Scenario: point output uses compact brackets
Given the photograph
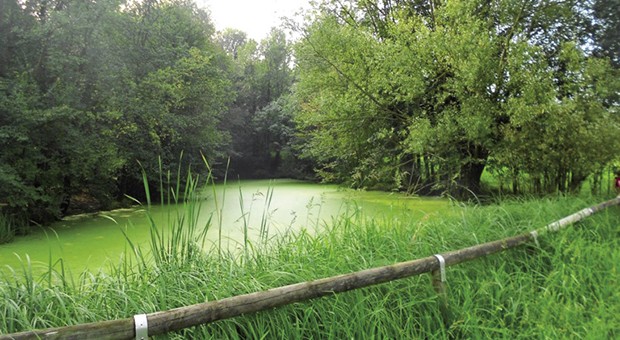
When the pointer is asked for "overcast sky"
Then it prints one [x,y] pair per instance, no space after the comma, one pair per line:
[254,17]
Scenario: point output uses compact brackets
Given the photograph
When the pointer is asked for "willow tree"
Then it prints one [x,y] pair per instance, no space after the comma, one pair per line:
[426,94]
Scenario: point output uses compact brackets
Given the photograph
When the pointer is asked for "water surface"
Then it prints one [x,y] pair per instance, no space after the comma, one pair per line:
[93,241]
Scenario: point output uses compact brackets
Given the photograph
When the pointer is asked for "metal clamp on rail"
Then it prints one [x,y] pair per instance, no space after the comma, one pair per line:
[442,267]
[534,234]
[142,326]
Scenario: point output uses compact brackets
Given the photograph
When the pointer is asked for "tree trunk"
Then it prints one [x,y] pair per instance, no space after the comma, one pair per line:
[576,180]
[469,180]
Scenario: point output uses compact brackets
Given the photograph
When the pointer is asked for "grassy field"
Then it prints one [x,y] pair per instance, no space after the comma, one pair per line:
[566,287]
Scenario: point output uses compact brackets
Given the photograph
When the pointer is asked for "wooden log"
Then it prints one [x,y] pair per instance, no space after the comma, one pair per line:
[113,329]
[202,313]
[183,317]
[580,215]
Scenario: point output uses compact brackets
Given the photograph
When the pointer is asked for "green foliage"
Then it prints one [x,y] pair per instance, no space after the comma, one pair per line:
[175,110]
[605,29]
[48,153]
[160,33]
[259,121]
[277,145]
[88,89]
[351,128]
[420,97]
[561,140]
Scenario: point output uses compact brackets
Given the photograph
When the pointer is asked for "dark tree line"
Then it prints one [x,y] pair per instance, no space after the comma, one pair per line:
[261,118]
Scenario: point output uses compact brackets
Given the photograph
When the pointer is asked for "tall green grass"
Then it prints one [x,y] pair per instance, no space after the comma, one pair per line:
[566,287]
[184,238]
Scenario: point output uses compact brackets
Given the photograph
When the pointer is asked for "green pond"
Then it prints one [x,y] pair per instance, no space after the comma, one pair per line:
[95,241]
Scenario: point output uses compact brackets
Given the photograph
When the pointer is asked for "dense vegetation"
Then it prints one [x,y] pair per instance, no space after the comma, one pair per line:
[422,96]
[92,91]
[426,95]
[418,96]
[565,287]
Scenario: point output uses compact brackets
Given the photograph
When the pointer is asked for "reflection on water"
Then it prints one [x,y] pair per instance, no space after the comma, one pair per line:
[267,208]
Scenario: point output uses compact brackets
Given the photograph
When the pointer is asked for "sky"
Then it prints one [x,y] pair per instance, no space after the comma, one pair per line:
[254,17]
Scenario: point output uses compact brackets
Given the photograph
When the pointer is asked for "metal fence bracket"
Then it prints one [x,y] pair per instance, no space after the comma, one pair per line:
[534,234]
[142,326]
[442,267]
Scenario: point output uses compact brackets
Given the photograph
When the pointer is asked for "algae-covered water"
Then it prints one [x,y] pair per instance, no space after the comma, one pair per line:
[94,241]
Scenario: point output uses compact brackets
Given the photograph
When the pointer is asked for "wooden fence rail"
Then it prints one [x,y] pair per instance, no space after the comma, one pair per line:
[202,313]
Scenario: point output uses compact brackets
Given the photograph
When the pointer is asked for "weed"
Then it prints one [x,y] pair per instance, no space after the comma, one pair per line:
[563,288]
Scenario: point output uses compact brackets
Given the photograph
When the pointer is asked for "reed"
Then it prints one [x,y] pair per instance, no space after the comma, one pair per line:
[563,288]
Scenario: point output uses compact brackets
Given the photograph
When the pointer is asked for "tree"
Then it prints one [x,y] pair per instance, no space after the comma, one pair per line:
[262,75]
[274,135]
[232,41]
[563,139]
[49,154]
[605,29]
[88,88]
[160,32]
[53,139]
[176,110]
[171,90]
[418,95]
[274,69]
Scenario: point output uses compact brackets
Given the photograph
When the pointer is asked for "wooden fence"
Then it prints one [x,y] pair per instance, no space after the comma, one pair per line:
[141,326]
